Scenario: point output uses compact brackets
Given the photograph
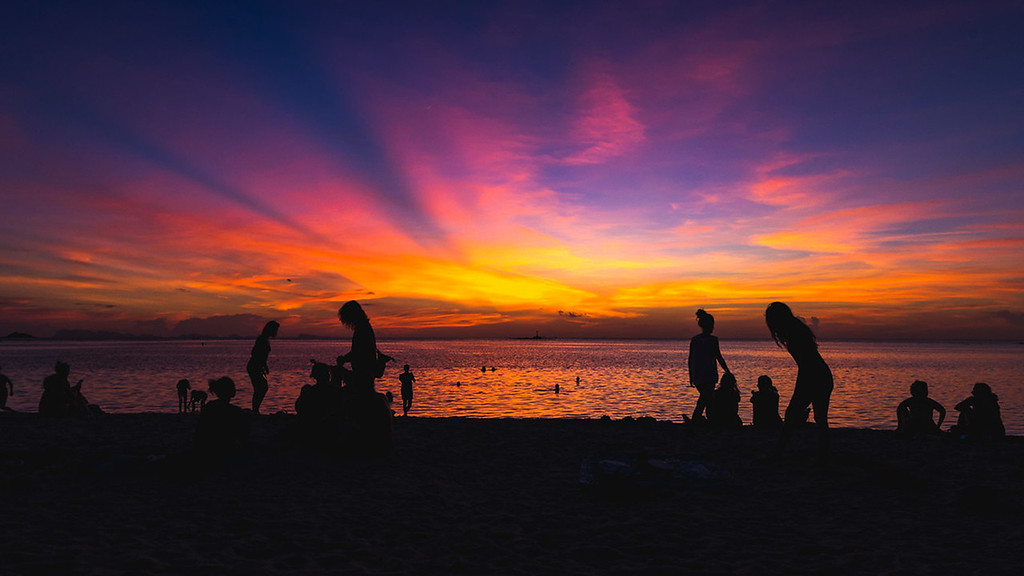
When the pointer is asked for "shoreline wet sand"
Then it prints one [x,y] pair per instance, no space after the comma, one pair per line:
[110,494]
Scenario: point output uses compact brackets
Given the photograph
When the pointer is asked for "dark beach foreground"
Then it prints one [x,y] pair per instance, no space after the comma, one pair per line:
[458,496]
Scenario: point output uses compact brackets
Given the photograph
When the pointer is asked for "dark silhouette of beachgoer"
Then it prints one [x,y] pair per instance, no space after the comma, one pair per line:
[320,410]
[557,388]
[183,388]
[5,386]
[914,415]
[223,428]
[406,378]
[198,400]
[60,399]
[57,398]
[814,381]
[765,402]
[702,362]
[577,380]
[362,357]
[725,409]
[257,366]
[979,417]
[366,411]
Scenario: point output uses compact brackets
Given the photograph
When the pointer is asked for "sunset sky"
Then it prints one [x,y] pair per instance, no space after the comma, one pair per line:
[578,169]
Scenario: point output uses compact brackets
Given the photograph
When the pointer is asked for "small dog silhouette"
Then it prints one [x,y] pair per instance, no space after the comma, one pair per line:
[198,397]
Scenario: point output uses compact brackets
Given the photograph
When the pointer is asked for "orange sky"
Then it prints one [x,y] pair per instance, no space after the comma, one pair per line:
[506,169]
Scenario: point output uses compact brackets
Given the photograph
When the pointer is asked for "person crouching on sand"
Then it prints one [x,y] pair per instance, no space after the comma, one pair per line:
[914,415]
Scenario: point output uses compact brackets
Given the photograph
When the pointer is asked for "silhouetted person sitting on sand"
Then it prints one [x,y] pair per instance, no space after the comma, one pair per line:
[813,379]
[183,387]
[979,417]
[5,386]
[406,378]
[320,409]
[725,409]
[59,398]
[223,428]
[258,367]
[914,415]
[702,364]
[765,402]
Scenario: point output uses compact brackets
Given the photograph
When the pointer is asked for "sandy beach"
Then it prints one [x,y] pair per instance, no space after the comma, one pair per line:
[108,495]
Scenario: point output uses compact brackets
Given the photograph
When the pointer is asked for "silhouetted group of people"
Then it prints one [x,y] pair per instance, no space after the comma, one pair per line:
[720,406]
[979,417]
[341,411]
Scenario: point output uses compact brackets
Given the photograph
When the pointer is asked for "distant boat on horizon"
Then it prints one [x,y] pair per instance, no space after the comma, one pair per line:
[536,336]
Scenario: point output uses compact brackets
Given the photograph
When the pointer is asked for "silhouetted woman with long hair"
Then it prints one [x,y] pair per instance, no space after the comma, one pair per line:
[257,366]
[813,379]
[705,356]
[363,355]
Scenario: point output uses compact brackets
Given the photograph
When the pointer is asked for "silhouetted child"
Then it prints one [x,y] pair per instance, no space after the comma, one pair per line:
[223,428]
[198,399]
[725,406]
[5,385]
[183,388]
[765,402]
[979,417]
[407,379]
[914,415]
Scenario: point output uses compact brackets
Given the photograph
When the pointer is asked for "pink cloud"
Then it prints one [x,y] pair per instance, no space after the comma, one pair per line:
[606,125]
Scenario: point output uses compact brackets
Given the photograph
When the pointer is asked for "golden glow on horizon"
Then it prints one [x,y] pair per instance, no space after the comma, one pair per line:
[453,186]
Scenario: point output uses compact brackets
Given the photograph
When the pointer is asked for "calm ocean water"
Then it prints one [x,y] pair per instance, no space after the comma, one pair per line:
[617,378]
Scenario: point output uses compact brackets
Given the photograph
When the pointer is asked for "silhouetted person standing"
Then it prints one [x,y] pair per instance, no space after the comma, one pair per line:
[914,415]
[813,379]
[702,362]
[367,411]
[5,386]
[363,354]
[257,366]
[183,387]
[406,378]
